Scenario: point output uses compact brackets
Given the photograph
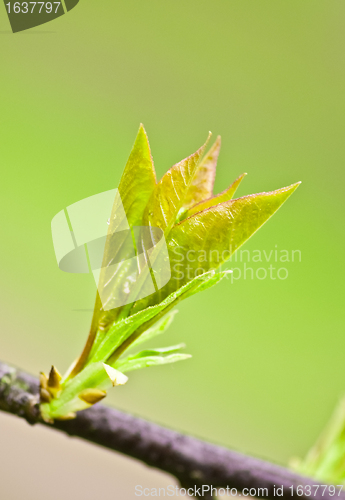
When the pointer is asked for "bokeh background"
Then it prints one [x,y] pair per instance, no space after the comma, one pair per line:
[269,76]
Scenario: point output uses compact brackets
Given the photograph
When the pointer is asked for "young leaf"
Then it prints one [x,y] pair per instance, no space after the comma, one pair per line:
[153,357]
[138,180]
[201,187]
[161,212]
[157,329]
[137,184]
[170,193]
[124,332]
[325,461]
[209,238]
[159,351]
[215,200]
[205,284]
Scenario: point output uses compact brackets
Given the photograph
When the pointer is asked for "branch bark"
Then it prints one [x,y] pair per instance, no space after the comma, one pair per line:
[192,461]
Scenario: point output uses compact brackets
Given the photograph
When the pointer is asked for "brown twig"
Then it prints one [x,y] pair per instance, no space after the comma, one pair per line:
[195,463]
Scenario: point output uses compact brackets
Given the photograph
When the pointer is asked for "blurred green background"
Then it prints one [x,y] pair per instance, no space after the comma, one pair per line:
[269,76]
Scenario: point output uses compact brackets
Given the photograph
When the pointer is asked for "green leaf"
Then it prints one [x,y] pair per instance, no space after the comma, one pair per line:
[201,187]
[138,180]
[169,195]
[161,212]
[205,284]
[157,329]
[158,351]
[215,200]
[207,239]
[137,184]
[119,334]
[325,460]
[151,357]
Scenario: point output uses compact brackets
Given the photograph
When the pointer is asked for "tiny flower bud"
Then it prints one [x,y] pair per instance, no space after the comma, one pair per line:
[54,378]
[45,396]
[43,381]
[92,396]
[54,382]
[68,416]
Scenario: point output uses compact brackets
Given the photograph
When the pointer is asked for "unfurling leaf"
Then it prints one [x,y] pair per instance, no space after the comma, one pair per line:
[137,182]
[212,236]
[129,329]
[226,195]
[157,329]
[152,357]
[169,195]
[201,186]
[135,189]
